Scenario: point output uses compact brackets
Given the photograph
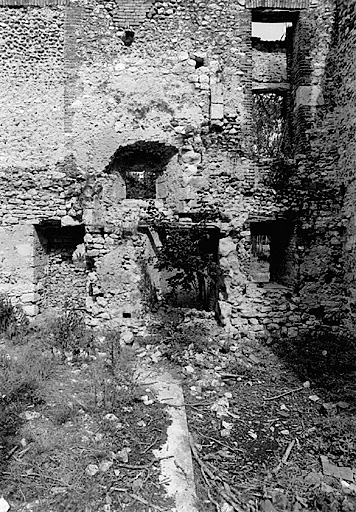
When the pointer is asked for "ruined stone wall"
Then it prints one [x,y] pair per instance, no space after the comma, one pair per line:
[32,84]
[313,189]
[186,81]
[346,129]
[177,74]
[269,66]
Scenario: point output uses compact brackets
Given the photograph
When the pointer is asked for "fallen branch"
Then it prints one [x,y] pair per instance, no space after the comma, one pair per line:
[194,404]
[151,445]
[199,460]
[285,456]
[284,394]
[230,499]
[218,508]
[225,492]
[231,376]
[218,442]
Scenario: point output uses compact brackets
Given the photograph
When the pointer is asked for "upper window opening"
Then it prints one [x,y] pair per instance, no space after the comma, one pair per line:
[270,31]
[269,124]
[199,62]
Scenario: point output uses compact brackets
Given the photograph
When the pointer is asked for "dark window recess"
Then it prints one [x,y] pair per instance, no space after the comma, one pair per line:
[268,114]
[140,164]
[199,62]
[63,240]
[128,37]
[272,253]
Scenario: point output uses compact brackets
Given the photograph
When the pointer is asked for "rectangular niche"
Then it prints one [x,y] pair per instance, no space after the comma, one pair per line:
[59,279]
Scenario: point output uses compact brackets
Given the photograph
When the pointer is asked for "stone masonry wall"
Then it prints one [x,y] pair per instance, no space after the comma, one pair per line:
[314,189]
[346,129]
[97,77]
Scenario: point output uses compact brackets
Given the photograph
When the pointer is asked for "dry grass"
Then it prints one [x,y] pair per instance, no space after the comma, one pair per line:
[53,426]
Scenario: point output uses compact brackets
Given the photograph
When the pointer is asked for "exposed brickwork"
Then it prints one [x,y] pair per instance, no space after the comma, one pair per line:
[277,4]
[132,13]
[33,3]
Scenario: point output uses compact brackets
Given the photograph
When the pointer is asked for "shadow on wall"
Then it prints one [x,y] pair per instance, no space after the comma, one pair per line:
[325,355]
[58,276]
[140,165]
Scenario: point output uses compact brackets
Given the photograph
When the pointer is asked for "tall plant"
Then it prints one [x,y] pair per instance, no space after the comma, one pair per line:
[188,253]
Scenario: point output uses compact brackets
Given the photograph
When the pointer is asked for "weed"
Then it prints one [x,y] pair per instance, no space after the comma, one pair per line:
[13,321]
[113,387]
[112,345]
[21,375]
[179,337]
[68,332]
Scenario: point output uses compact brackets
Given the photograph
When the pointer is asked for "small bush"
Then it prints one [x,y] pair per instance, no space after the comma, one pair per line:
[113,387]
[13,321]
[179,336]
[68,332]
[22,375]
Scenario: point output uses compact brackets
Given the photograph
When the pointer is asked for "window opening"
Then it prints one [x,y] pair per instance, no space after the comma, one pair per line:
[140,164]
[60,277]
[199,62]
[188,262]
[270,31]
[260,252]
[268,115]
[271,251]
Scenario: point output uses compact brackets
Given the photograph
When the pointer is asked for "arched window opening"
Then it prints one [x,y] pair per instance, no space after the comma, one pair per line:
[140,164]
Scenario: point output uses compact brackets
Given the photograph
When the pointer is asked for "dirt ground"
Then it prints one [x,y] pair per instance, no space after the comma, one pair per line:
[272,427]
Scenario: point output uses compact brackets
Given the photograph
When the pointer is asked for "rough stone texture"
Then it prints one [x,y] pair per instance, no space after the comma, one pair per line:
[76,92]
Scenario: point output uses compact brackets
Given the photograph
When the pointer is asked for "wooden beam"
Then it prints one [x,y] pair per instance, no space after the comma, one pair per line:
[265,87]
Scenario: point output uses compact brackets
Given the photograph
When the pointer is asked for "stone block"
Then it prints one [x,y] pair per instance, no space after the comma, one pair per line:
[309,95]
[24,250]
[30,297]
[30,310]
[217,94]
[226,246]
[216,112]
[191,158]
[67,220]
[161,190]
